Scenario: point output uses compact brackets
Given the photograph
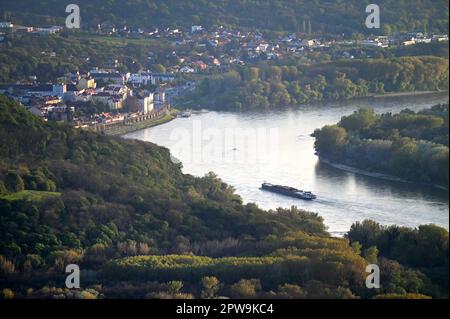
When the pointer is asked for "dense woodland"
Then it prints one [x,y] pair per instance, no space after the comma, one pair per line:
[275,86]
[410,145]
[139,228]
[23,56]
[331,17]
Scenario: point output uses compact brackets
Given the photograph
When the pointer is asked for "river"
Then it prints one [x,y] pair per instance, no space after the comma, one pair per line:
[245,149]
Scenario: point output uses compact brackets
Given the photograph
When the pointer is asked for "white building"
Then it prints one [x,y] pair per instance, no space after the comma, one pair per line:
[146,104]
[373,43]
[141,78]
[114,102]
[48,31]
[6,25]
[146,77]
[58,90]
[196,28]
[101,76]
[187,69]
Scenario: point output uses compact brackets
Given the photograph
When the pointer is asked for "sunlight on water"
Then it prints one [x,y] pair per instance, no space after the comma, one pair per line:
[246,149]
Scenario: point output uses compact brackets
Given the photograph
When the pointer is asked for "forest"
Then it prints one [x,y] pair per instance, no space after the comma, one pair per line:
[329,17]
[140,228]
[410,145]
[24,56]
[278,86]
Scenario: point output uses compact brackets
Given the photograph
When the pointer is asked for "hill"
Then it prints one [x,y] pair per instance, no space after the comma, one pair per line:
[140,228]
[334,17]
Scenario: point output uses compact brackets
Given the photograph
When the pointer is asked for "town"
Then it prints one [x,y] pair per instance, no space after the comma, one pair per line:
[106,95]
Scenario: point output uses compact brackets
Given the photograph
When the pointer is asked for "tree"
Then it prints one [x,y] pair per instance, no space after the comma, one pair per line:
[3,189]
[356,247]
[359,120]
[246,288]
[6,266]
[7,293]
[289,291]
[14,183]
[174,286]
[210,287]
[159,68]
[251,74]
[330,139]
[371,254]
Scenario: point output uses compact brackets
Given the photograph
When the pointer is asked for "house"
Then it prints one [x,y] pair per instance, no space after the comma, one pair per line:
[160,97]
[49,31]
[116,89]
[372,43]
[310,42]
[187,69]
[112,64]
[73,93]
[216,62]
[262,47]
[105,77]
[162,78]
[145,103]
[73,77]
[6,25]
[58,90]
[87,82]
[196,28]
[141,78]
[200,65]
[51,100]
[408,42]
[23,29]
[61,113]
[114,102]
[86,96]
[440,37]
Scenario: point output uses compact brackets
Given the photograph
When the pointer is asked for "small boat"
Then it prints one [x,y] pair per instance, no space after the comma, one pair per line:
[288,191]
[186,114]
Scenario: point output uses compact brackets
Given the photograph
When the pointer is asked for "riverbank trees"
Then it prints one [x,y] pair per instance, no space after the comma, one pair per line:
[409,145]
[275,86]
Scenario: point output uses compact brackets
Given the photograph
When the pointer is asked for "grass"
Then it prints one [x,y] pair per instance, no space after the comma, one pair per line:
[34,196]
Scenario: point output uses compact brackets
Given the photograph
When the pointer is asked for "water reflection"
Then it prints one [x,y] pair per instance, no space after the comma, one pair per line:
[343,197]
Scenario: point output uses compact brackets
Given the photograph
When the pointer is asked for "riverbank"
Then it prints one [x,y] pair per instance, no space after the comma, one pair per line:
[412,93]
[387,177]
[129,128]
[199,105]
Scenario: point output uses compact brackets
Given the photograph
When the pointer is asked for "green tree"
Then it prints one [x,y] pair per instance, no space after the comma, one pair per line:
[7,293]
[246,288]
[210,286]
[159,68]
[14,183]
[3,189]
[359,120]
[371,254]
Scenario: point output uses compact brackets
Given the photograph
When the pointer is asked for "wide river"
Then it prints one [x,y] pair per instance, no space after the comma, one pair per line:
[245,149]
